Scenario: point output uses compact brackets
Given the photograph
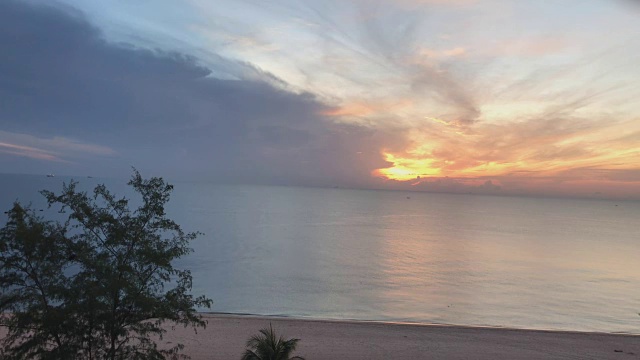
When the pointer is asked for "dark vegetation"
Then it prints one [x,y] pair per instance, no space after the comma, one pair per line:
[98,285]
[268,346]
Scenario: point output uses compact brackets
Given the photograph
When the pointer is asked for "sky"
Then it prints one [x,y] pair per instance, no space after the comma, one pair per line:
[506,97]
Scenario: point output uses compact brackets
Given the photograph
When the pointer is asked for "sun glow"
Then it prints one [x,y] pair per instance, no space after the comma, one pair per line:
[404,169]
[414,166]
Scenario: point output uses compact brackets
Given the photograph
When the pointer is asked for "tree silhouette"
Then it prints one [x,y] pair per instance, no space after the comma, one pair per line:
[99,285]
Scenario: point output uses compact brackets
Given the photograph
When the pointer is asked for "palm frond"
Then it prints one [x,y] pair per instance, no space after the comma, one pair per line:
[250,355]
[268,346]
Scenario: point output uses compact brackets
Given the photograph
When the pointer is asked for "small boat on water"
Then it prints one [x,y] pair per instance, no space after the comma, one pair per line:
[50,175]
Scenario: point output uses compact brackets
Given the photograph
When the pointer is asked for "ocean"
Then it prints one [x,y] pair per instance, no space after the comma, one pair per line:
[536,263]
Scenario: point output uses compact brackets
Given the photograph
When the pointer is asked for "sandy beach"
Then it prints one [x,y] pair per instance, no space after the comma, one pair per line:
[225,337]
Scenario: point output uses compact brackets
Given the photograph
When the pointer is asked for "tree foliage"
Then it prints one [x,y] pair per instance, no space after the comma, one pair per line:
[268,346]
[99,285]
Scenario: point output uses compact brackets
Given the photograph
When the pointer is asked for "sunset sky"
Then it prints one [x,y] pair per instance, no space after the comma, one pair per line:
[483,96]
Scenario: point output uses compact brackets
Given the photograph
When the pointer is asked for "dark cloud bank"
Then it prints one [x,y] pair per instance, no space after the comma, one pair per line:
[161,111]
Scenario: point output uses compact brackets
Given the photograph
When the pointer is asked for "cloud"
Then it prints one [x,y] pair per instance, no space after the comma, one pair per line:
[440,3]
[633,4]
[27,151]
[435,54]
[58,149]
[162,111]
[353,87]
[372,50]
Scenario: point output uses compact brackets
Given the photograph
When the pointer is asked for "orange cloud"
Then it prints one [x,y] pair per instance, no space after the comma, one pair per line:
[527,155]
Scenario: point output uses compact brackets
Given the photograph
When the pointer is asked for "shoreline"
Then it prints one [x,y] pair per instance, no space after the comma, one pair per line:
[226,334]
[414,323]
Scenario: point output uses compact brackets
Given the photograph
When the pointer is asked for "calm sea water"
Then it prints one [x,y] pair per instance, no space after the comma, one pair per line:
[379,255]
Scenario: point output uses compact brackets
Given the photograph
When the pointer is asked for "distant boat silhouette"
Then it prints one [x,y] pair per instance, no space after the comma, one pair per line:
[50,175]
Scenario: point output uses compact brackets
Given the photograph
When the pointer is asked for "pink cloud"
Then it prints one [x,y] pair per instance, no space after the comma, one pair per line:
[27,151]
[56,149]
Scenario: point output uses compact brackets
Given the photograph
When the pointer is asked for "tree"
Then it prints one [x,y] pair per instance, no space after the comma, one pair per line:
[267,346]
[101,284]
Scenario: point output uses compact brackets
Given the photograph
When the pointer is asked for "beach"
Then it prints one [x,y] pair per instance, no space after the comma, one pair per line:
[226,335]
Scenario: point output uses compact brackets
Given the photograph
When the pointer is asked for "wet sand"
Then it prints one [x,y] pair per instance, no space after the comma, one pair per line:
[225,337]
